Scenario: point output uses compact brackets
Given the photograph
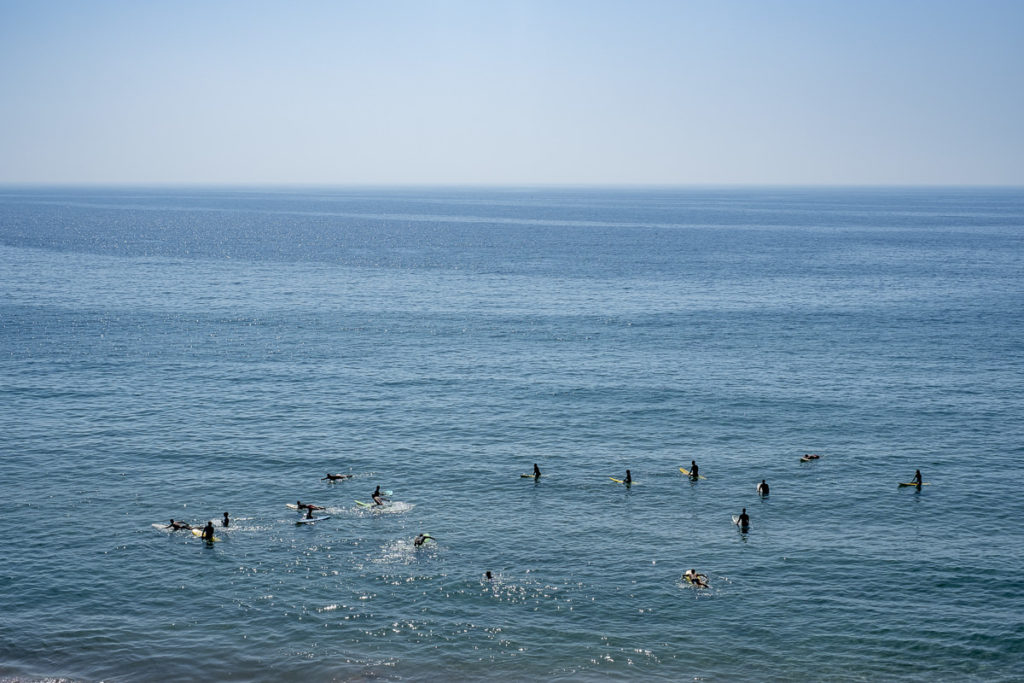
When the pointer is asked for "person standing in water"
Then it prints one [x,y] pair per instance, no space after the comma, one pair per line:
[762,488]
[225,522]
[744,519]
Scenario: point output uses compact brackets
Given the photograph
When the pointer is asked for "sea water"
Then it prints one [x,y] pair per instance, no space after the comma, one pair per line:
[178,353]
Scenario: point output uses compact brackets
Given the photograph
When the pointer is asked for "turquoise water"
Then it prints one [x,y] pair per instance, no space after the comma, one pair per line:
[179,353]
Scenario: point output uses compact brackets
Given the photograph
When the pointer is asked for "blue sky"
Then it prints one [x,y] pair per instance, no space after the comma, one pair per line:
[523,93]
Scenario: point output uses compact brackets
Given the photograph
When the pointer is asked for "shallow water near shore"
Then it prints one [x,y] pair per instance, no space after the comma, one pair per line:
[175,353]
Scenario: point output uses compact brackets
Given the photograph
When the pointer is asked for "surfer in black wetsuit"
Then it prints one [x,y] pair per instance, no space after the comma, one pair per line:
[335,477]
[208,531]
[175,526]
[917,478]
[488,576]
[378,498]
[225,522]
[762,488]
[698,580]
[694,470]
[536,471]
[744,519]
[303,506]
[309,513]
[421,539]
[629,479]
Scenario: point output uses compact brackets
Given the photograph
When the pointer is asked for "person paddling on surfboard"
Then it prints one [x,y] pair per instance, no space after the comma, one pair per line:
[335,477]
[378,497]
[208,531]
[744,519]
[762,488]
[175,526]
[917,478]
[303,506]
[421,539]
[698,580]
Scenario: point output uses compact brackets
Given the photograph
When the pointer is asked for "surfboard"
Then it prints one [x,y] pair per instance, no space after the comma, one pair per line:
[622,481]
[368,505]
[310,521]
[199,533]
[911,483]
[687,473]
[293,506]
[528,476]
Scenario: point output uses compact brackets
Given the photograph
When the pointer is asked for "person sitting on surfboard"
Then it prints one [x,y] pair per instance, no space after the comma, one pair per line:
[629,479]
[762,488]
[698,580]
[225,521]
[336,477]
[378,498]
[302,506]
[536,471]
[208,531]
[421,539]
[175,526]
[917,478]
[694,470]
[744,519]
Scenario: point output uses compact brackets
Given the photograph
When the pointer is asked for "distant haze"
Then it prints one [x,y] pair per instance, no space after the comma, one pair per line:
[546,92]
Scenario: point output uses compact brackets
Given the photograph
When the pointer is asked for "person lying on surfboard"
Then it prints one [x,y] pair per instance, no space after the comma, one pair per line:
[175,526]
[698,580]
[335,477]
[208,531]
[423,538]
[302,506]
[378,497]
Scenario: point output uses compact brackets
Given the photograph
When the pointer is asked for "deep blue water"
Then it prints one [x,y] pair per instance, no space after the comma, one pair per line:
[178,353]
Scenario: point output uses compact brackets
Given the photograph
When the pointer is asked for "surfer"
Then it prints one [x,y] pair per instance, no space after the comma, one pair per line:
[762,488]
[421,539]
[694,470]
[744,519]
[536,471]
[303,506]
[488,575]
[335,477]
[309,512]
[810,456]
[917,478]
[225,522]
[175,526]
[629,479]
[698,580]
[378,497]
[208,531]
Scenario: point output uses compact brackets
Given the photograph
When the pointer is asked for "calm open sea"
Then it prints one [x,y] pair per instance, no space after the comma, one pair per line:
[181,353]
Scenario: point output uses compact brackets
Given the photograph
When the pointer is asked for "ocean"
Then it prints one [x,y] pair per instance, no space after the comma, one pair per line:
[182,352]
